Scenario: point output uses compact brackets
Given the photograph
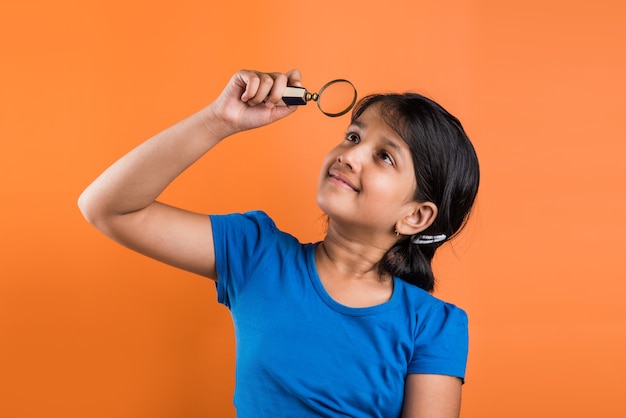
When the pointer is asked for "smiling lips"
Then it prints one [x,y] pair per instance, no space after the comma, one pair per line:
[339,178]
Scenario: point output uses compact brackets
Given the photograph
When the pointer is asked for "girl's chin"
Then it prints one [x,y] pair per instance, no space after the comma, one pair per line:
[328,205]
[336,212]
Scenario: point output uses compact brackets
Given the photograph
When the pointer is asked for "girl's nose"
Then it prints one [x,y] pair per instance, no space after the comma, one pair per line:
[342,160]
[350,158]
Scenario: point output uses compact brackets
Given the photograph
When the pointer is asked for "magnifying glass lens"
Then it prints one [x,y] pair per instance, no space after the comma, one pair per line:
[336,98]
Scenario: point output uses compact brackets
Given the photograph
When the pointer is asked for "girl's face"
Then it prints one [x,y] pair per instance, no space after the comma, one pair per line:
[368,180]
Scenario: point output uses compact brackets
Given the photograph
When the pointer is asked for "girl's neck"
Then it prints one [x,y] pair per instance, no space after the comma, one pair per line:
[349,272]
[352,261]
[353,252]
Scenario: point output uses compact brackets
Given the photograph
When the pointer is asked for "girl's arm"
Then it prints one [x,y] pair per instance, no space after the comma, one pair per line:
[122,204]
[431,396]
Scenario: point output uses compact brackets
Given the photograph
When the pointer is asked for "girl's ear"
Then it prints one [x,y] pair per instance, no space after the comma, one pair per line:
[420,217]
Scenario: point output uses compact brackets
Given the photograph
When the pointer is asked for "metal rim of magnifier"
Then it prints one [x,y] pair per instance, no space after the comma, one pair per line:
[330,83]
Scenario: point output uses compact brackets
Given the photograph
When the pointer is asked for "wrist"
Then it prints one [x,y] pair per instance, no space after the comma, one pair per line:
[217,127]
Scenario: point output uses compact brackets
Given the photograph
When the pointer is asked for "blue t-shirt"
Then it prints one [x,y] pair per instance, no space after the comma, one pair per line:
[302,354]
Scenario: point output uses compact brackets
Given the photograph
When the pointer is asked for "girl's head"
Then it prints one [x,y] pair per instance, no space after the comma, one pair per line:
[446,174]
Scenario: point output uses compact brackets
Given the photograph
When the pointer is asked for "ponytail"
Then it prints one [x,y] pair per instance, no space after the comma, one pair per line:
[411,263]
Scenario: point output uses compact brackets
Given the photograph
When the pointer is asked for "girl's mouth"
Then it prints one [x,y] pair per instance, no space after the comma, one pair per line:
[338,178]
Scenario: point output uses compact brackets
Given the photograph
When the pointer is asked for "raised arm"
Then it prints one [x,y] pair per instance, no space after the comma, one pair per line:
[122,204]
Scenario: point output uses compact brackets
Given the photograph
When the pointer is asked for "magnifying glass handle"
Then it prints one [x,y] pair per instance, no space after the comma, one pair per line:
[294,96]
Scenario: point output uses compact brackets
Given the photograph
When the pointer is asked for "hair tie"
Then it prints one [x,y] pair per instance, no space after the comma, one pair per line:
[428,239]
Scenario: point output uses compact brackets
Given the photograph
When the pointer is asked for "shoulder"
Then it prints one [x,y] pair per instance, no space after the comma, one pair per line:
[442,319]
[440,334]
[247,246]
[247,226]
[427,307]
[244,220]
[249,233]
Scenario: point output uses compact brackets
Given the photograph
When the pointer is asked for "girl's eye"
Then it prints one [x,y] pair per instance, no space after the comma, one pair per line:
[386,158]
[353,137]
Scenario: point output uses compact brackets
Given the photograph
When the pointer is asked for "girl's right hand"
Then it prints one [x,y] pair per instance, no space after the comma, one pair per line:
[250,100]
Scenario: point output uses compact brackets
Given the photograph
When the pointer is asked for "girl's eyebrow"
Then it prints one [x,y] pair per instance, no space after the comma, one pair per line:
[357,123]
[391,143]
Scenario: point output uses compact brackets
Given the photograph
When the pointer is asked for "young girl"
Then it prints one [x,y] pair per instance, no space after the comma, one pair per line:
[346,327]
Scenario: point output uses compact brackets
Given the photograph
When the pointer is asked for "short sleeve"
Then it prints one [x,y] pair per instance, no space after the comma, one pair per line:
[240,241]
[441,342]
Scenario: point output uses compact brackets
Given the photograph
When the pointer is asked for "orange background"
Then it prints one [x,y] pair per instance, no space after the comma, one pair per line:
[89,329]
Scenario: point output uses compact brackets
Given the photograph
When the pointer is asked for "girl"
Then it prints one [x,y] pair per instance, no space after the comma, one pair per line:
[346,327]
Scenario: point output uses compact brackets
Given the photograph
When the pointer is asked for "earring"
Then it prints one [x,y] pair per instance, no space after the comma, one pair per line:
[397,233]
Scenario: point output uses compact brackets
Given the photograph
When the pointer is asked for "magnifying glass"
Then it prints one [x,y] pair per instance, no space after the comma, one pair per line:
[335,98]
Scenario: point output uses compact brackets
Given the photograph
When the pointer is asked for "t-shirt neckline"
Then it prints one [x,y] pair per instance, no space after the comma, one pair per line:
[344,309]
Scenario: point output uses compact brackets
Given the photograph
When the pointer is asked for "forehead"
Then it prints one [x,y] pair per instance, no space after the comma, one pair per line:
[372,120]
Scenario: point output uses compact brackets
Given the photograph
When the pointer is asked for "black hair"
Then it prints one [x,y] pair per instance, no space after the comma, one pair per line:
[446,171]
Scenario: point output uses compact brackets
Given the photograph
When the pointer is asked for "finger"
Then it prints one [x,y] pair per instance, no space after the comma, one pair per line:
[251,83]
[276,93]
[266,82]
[294,78]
